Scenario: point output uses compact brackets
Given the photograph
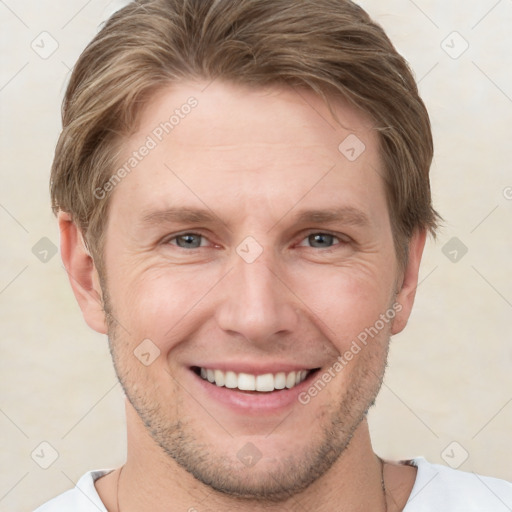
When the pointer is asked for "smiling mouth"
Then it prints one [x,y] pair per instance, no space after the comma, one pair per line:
[265,383]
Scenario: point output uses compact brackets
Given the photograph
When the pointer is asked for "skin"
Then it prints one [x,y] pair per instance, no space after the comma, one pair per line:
[254,159]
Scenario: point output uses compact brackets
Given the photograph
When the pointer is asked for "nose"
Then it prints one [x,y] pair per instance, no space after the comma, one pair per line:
[256,303]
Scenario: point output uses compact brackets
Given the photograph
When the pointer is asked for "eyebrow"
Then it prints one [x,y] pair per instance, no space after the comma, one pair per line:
[185,215]
[346,215]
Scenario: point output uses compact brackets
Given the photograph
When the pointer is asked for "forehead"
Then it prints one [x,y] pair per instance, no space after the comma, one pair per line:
[229,112]
[264,147]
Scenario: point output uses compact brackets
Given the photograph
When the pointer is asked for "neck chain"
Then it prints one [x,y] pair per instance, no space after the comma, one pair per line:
[117,489]
[383,485]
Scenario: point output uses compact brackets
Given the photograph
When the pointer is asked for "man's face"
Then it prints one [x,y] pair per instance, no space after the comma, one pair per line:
[248,242]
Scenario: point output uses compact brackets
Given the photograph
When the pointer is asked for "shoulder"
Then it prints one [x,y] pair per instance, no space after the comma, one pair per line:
[448,490]
[82,498]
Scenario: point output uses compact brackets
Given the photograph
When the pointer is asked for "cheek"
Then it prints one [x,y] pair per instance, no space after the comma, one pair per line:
[156,303]
[347,301]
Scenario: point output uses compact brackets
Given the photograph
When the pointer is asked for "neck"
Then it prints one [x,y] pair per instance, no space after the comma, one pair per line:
[151,480]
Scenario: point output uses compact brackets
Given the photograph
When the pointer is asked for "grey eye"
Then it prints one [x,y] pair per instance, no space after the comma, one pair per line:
[188,241]
[321,240]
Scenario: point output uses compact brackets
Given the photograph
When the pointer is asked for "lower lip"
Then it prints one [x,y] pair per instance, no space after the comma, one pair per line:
[257,402]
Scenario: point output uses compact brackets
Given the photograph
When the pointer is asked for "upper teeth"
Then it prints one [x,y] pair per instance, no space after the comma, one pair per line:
[248,382]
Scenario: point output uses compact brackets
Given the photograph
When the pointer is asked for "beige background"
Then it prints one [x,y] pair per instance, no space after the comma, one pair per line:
[450,372]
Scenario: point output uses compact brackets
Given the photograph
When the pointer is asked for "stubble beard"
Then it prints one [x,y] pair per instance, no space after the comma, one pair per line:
[180,440]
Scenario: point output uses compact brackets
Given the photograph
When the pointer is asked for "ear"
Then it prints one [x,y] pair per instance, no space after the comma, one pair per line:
[82,273]
[407,292]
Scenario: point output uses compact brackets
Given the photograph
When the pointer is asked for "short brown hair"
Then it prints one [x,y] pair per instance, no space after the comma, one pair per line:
[329,46]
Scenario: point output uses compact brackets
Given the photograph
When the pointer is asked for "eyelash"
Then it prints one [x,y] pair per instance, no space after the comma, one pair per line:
[341,239]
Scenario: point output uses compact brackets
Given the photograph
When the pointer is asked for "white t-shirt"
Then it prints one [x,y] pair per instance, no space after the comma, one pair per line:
[436,489]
